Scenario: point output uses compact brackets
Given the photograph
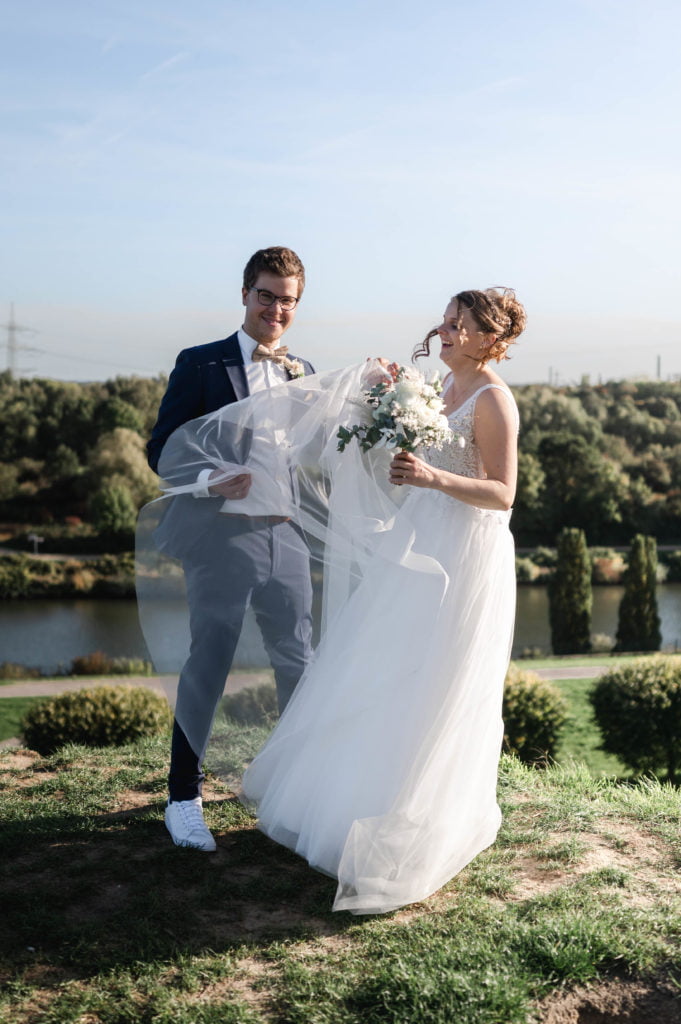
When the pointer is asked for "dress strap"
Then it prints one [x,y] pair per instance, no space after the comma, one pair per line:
[506,391]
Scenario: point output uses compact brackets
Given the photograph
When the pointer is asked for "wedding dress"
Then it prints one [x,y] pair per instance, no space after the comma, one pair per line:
[382,770]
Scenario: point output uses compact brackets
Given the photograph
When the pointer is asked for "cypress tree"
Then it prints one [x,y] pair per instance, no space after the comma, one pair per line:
[638,627]
[570,595]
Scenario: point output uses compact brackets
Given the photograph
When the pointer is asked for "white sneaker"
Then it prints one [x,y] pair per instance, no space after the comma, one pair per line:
[184,821]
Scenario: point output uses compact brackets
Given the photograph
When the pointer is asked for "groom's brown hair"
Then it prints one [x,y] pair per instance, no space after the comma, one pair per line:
[276,260]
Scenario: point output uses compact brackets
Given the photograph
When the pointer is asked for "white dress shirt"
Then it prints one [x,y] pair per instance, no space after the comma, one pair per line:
[271,489]
[264,373]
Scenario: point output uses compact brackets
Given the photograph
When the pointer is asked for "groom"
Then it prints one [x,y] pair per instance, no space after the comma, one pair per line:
[231,560]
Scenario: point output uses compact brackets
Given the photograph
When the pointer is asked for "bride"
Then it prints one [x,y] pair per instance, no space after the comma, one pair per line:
[382,770]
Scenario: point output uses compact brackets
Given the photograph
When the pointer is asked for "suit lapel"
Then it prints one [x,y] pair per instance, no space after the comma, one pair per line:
[234,368]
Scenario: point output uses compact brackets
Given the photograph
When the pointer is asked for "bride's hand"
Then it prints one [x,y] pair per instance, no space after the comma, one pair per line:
[407,469]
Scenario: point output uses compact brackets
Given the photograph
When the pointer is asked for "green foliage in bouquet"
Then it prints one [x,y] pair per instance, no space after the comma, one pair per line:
[403,413]
[638,710]
[105,716]
[534,714]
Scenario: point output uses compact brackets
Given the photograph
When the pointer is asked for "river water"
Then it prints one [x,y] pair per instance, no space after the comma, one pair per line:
[49,634]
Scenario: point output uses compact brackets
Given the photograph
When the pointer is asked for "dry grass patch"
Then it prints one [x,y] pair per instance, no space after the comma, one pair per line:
[644,859]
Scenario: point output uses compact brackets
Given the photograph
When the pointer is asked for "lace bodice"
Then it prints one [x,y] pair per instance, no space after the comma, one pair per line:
[462,456]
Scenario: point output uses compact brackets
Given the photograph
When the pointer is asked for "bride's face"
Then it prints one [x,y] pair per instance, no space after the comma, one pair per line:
[459,334]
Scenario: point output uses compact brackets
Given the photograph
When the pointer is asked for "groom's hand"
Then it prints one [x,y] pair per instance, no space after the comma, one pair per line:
[376,375]
[235,488]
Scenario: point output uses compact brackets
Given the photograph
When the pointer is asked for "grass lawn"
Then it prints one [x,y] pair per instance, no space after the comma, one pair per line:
[581,736]
[12,710]
[105,922]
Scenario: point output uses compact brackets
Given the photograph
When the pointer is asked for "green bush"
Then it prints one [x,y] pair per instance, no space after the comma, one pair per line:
[525,570]
[607,565]
[638,710]
[602,643]
[105,716]
[13,670]
[255,705]
[15,578]
[113,510]
[100,664]
[545,557]
[672,561]
[534,714]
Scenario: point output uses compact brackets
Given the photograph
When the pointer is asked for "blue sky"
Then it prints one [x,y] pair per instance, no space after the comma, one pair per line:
[405,150]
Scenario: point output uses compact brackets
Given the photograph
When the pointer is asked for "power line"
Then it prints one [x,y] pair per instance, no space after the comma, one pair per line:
[13,328]
[13,347]
[96,362]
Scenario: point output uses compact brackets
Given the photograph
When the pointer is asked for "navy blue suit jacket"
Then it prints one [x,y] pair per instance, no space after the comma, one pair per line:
[205,378]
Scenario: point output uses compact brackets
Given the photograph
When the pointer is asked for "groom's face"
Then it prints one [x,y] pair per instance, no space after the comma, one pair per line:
[266,324]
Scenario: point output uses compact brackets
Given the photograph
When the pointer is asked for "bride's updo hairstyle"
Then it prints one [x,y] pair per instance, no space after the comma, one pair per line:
[495,311]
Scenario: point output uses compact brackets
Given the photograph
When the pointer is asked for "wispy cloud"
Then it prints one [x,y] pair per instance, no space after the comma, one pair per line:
[165,65]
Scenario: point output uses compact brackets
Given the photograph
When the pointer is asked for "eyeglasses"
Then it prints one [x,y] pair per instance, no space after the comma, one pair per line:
[266,298]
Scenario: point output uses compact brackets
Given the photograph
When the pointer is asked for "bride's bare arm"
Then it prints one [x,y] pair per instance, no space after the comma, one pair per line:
[495,436]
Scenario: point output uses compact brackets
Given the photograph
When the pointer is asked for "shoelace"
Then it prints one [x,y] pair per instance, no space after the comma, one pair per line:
[192,818]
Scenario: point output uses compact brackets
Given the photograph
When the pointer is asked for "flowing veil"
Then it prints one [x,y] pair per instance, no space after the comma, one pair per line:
[285,437]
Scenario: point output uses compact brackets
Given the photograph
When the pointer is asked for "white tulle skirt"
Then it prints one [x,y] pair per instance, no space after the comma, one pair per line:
[382,770]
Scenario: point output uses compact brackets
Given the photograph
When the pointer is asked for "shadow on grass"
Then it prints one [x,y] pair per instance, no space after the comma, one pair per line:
[93,892]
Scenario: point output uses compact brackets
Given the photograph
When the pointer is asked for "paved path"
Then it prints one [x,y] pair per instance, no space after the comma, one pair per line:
[163,684]
[567,672]
[236,681]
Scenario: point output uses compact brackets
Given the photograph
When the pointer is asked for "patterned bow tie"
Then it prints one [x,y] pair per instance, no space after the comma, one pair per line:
[277,355]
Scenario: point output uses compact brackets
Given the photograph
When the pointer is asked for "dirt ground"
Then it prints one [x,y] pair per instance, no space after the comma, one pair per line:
[624,1002]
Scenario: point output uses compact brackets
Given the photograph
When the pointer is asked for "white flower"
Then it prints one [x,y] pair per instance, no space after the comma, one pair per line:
[405,414]
[294,367]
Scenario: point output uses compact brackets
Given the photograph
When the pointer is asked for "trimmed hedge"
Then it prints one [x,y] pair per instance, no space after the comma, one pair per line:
[638,710]
[255,705]
[534,713]
[104,716]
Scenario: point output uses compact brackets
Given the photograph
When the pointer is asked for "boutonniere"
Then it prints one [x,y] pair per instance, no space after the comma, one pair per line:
[293,367]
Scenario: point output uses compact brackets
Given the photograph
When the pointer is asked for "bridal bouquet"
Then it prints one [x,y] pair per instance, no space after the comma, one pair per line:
[402,413]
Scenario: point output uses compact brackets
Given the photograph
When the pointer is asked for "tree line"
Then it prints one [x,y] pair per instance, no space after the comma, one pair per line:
[602,458]
[73,454]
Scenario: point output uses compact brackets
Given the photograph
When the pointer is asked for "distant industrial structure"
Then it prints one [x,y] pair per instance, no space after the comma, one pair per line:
[13,347]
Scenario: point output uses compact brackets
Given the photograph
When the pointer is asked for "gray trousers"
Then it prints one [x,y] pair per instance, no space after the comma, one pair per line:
[236,563]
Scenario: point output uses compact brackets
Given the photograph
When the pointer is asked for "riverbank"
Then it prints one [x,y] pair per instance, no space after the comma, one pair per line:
[56,576]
